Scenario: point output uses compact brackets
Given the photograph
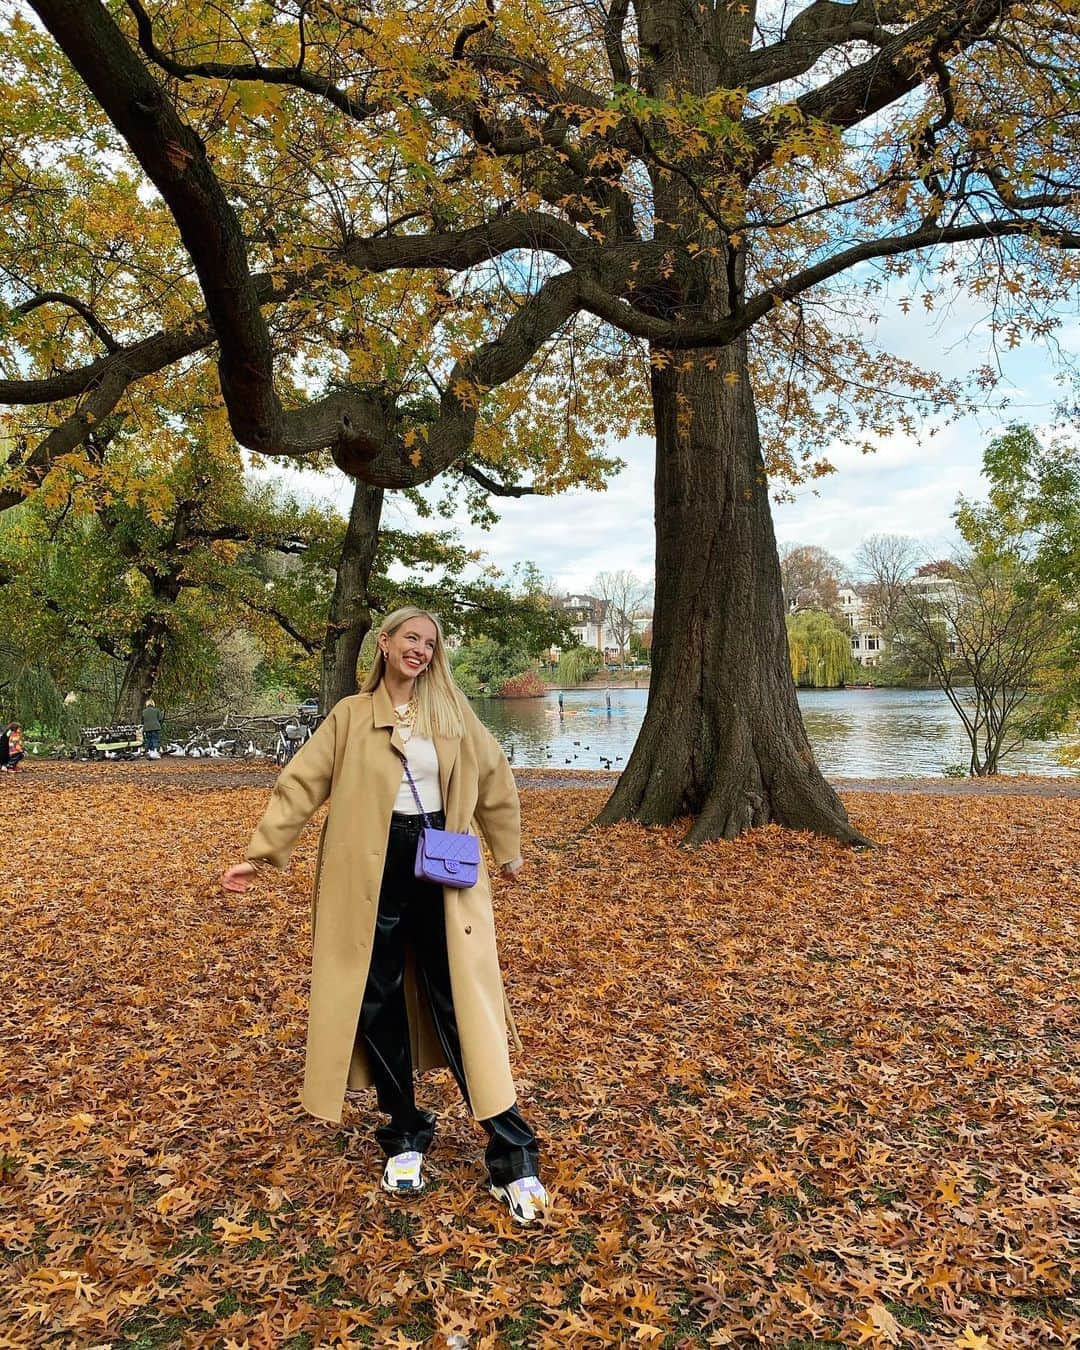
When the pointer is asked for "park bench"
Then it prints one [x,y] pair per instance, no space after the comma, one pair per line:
[121,738]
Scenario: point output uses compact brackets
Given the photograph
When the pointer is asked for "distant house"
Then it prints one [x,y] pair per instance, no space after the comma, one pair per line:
[589,624]
[868,641]
[937,587]
[867,638]
[586,614]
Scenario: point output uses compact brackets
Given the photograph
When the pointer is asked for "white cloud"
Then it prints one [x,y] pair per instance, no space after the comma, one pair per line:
[573,536]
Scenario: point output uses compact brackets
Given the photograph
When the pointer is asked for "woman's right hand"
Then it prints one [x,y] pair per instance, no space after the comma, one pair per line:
[236,878]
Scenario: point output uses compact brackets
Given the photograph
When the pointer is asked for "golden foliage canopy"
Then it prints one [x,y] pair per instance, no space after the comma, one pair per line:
[419,233]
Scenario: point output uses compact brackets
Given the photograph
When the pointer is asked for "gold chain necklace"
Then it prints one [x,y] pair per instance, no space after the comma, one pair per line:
[406,719]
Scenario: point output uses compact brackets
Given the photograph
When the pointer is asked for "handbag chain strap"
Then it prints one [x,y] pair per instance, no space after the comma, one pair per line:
[416,795]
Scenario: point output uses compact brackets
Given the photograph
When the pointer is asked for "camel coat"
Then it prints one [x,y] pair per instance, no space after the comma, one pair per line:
[355,759]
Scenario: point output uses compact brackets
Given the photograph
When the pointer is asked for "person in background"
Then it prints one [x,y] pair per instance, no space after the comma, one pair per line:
[374,1013]
[15,753]
[152,723]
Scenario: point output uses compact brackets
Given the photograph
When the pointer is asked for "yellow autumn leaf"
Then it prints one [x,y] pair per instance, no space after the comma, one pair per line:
[971,1340]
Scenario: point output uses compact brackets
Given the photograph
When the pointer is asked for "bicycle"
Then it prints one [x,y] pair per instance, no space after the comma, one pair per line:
[290,738]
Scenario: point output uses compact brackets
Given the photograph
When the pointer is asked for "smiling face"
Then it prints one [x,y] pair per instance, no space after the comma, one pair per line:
[408,651]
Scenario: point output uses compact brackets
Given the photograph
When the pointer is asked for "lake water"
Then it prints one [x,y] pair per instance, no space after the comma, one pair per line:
[855,733]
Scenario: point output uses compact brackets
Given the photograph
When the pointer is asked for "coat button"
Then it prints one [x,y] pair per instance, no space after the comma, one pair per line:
[468,928]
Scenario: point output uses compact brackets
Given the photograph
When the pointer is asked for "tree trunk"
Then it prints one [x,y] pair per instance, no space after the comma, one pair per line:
[350,611]
[723,738]
[141,670]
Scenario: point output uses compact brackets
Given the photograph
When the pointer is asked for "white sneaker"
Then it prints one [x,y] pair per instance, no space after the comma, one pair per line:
[526,1199]
[402,1173]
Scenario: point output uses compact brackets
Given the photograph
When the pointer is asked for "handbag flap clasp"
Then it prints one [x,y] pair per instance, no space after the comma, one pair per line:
[453,850]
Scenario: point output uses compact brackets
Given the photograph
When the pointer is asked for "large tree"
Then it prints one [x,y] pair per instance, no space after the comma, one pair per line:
[527,198]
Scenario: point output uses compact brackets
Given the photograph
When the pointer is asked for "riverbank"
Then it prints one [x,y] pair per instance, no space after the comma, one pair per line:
[775,1079]
[213,775]
[1001,785]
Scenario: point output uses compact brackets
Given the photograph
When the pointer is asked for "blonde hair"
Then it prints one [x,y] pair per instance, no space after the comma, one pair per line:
[438,699]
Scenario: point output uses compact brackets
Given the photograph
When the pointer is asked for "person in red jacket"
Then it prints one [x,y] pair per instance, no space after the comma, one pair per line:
[15,755]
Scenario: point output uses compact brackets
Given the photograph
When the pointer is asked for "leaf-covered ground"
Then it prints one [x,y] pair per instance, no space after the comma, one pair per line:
[790,1095]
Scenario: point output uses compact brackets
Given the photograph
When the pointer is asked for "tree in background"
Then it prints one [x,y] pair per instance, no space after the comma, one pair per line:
[886,563]
[990,635]
[1032,511]
[811,578]
[819,650]
[483,665]
[1031,522]
[640,645]
[997,627]
[152,566]
[30,692]
[578,664]
[625,596]
[518,202]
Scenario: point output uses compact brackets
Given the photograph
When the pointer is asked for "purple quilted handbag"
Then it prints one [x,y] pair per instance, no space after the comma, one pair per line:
[447,858]
[442,856]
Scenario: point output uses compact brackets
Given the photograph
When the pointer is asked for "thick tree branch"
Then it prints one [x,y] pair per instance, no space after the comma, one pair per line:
[613,41]
[365,430]
[381,453]
[490,485]
[897,68]
[354,424]
[80,307]
[681,335]
[72,432]
[258,538]
[175,160]
[913,241]
[1064,198]
[823,25]
[454,252]
[142,358]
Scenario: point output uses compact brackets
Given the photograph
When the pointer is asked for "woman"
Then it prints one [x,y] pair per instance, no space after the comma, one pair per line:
[405,973]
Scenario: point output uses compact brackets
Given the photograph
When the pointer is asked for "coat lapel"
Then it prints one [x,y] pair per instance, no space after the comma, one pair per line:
[382,713]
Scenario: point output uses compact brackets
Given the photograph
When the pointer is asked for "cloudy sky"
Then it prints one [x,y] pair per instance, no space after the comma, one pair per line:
[908,486]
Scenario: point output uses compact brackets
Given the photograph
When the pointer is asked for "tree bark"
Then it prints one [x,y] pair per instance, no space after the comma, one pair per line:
[350,608]
[142,668]
[723,738]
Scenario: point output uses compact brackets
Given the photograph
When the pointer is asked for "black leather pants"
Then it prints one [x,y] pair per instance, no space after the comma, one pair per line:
[411,918]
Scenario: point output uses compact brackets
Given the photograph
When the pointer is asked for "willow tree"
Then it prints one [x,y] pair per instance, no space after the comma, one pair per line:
[549,192]
[819,650]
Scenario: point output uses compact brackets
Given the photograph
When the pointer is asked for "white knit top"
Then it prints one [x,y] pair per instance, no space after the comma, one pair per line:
[424,766]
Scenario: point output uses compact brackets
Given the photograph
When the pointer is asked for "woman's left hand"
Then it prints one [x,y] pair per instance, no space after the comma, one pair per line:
[511,871]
